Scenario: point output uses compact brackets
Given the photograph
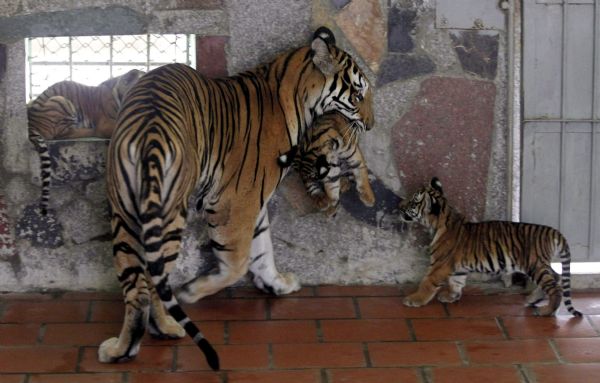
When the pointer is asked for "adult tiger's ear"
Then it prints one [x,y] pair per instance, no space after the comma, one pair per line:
[321,56]
[437,184]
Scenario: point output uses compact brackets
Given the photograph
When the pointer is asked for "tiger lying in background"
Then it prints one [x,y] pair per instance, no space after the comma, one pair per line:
[329,155]
[69,110]
[229,141]
[459,247]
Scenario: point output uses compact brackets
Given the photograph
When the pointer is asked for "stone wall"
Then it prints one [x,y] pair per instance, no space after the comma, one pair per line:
[440,102]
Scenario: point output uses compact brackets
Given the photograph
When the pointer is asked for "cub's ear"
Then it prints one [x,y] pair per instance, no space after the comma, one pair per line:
[321,55]
[437,184]
[325,34]
[435,207]
[322,167]
[287,158]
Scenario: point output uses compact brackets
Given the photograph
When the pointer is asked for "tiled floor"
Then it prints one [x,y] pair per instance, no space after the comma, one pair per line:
[323,334]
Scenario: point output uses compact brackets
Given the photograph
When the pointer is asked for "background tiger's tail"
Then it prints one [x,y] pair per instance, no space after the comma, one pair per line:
[151,219]
[45,167]
[565,260]
[51,115]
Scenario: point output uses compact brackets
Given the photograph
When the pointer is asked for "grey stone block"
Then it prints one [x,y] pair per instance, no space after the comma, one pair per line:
[401,25]
[404,66]
[477,52]
[42,231]
[262,29]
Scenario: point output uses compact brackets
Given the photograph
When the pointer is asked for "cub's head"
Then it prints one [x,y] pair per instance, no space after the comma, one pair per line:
[346,89]
[425,205]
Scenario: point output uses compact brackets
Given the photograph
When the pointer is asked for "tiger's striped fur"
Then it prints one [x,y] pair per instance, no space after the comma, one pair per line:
[329,155]
[459,247]
[69,110]
[229,140]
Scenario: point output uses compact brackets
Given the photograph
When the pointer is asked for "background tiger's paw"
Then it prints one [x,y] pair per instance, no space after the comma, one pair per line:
[168,328]
[109,352]
[412,301]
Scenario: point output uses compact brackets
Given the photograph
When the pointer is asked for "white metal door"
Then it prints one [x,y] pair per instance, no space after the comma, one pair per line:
[561,136]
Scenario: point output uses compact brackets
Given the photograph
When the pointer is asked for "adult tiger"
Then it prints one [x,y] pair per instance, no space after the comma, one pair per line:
[459,247]
[327,157]
[69,110]
[231,140]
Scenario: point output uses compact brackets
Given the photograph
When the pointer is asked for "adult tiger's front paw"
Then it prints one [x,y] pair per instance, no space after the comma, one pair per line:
[413,301]
[284,283]
[289,284]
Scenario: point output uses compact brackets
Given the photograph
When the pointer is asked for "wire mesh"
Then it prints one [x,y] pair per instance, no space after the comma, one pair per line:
[90,60]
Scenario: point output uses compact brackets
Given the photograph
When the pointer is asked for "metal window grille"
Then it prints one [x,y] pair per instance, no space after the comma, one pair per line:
[90,60]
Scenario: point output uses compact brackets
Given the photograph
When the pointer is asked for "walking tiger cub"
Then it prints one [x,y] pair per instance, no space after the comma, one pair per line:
[459,247]
[228,141]
[69,110]
[328,156]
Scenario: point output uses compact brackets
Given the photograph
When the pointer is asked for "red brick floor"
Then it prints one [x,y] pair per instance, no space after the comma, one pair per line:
[325,334]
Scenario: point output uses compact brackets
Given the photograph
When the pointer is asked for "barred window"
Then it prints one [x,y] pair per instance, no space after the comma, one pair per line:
[91,60]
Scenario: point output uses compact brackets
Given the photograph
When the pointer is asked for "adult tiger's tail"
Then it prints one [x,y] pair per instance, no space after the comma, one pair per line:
[151,220]
[565,260]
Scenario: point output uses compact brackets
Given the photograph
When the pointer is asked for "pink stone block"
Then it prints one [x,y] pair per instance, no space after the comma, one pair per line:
[211,58]
[447,133]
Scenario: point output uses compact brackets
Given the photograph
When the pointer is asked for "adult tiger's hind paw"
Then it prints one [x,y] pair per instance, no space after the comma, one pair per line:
[413,301]
[168,329]
[110,352]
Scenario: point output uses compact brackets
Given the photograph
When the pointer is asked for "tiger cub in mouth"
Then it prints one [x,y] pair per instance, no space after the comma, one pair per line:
[459,247]
[329,156]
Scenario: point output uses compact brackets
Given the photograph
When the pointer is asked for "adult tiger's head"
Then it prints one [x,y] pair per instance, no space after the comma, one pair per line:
[346,89]
[426,205]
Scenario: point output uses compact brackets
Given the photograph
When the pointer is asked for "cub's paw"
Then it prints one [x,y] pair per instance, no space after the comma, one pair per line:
[322,201]
[545,311]
[413,301]
[367,197]
[536,296]
[331,211]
